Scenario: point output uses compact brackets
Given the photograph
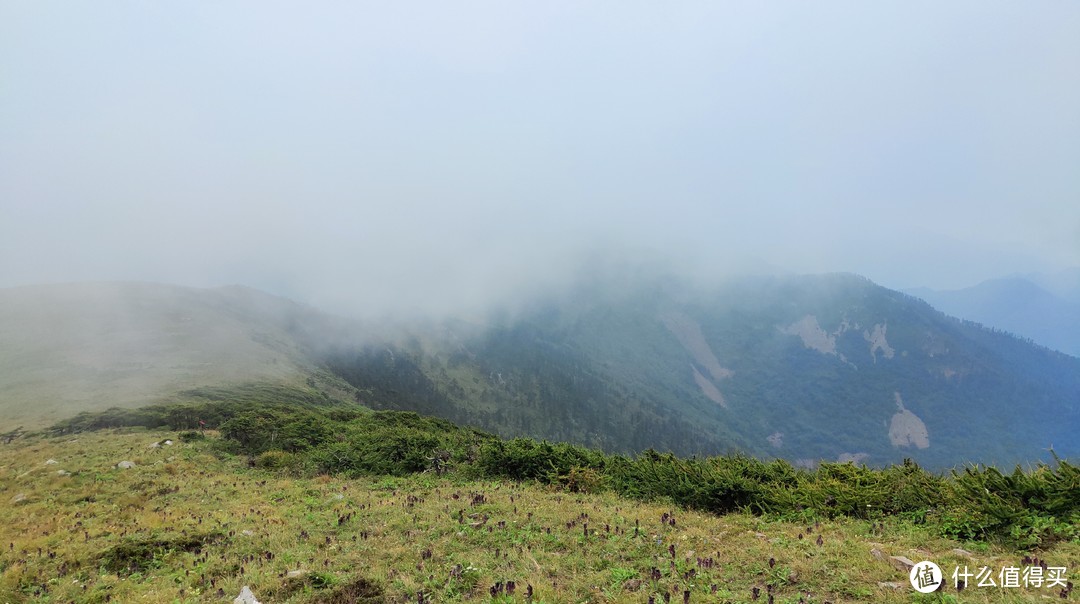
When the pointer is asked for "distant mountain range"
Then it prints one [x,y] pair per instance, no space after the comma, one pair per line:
[806,368]
[1042,307]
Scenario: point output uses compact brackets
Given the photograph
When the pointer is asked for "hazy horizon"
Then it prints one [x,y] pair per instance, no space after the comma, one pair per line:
[365,157]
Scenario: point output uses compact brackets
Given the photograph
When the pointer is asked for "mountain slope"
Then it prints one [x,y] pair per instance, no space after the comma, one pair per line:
[804,368]
[808,368]
[1017,305]
[1063,284]
[78,347]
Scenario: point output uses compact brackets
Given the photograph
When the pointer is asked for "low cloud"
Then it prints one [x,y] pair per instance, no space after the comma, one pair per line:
[376,159]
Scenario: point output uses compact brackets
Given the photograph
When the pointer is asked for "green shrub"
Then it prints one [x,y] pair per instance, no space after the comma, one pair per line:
[277,428]
[582,480]
[962,522]
[275,460]
[191,436]
[1033,531]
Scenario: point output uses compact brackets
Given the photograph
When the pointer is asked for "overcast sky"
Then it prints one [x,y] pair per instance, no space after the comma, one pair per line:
[369,154]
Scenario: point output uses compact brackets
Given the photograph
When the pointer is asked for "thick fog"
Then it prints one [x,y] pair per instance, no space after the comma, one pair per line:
[384,155]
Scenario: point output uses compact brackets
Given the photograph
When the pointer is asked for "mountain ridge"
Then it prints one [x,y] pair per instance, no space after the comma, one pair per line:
[786,356]
[85,346]
[808,368]
[1042,308]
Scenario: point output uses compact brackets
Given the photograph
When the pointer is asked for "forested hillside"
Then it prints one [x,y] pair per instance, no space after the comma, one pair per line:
[805,368]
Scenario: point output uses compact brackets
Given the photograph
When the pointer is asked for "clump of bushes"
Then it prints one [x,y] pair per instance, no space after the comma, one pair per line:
[275,460]
[1026,509]
[1031,509]
[383,442]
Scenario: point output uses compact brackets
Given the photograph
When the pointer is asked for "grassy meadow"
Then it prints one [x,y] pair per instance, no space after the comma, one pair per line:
[192,522]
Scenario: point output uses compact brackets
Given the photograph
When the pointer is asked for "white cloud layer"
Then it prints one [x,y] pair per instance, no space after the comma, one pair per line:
[375,155]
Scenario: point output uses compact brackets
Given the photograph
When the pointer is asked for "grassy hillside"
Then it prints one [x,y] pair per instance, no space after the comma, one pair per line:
[193,521]
[1025,508]
[79,347]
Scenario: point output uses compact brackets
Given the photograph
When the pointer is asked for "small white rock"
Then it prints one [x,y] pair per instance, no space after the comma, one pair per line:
[124,465]
[247,533]
[246,597]
[167,443]
[51,462]
[63,473]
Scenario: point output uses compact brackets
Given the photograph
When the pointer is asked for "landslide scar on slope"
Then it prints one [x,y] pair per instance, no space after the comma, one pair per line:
[688,332]
[708,388]
[877,341]
[906,429]
[811,334]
